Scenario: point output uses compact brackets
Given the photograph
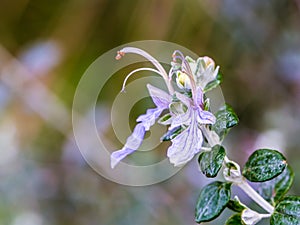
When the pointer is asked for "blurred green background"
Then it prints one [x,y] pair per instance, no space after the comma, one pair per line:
[45,47]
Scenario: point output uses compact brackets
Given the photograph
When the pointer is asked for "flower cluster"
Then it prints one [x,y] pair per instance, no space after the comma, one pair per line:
[187,110]
[192,127]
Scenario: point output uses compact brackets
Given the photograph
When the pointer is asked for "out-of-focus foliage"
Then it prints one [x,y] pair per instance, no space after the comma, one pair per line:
[45,47]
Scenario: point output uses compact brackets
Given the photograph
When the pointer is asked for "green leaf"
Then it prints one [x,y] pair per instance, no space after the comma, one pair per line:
[210,162]
[206,104]
[236,205]
[211,85]
[273,190]
[171,134]
[263,165]
[225,119]
[235,220]
[287,212]
[188,93]
[212,201]
[165,119]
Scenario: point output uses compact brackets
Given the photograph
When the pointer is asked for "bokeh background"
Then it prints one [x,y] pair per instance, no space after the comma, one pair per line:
[45,47]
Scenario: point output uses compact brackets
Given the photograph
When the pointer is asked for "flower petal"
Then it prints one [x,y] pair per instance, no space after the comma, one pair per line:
[205,117]
[135,139]
[133,142]
[199,97]
[180,111]
[149,118]
[184,99]
[186,144]
[117,156]
[205,71]
[160,98]
[181,119]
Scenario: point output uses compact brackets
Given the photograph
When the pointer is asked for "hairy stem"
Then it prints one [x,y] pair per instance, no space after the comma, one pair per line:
[256,197]
[212,140]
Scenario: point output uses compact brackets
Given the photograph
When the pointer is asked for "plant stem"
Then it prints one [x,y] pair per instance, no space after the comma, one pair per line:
[255,196]
[212,140]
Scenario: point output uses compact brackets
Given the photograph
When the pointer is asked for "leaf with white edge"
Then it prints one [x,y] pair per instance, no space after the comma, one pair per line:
[273,190]
[211,85]
[165,119]
[206,104]
[225,119]
[236,205]
[210,162]
[171,134]
[232,172]
[263,165]
[287,212]
[212,201]
[235,220]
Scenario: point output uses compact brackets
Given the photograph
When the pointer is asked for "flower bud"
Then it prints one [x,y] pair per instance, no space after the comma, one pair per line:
[232,172]
[250,217]
[183,80]
[208,61]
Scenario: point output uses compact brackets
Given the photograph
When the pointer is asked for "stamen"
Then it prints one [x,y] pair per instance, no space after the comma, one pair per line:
[188,71]
[177,57]
[185,66]
[137,70]
[150,58]
[179,53]
[119,55]
[171,73]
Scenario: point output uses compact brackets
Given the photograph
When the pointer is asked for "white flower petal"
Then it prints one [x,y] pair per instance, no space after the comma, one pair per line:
[117,156]
[205,117]
[150,117]
[160,98]
[184,99]
[186,144]
[133,142]
[250,217]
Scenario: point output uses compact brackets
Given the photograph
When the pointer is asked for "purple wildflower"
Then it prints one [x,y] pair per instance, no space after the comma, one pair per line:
[186,110]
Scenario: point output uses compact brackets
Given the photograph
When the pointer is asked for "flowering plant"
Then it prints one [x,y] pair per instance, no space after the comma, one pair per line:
[193,129]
